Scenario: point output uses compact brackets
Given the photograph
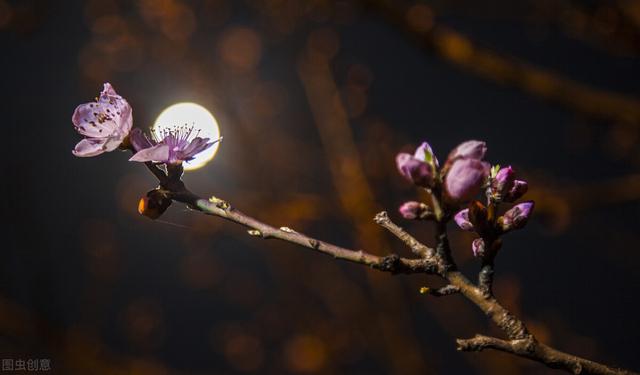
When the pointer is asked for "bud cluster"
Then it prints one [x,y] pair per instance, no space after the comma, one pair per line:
[459,182]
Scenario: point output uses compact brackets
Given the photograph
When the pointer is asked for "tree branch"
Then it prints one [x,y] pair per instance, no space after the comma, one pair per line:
[390,263]
[530,348]
[435,262]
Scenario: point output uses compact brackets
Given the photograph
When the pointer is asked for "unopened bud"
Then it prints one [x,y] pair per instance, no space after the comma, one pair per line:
[413,210]
[478,247]
[468,150]
[465,179]
[415,170]
[518,190]
[462,219]
[425,154]
[502,183]
[154,204]
[516,217]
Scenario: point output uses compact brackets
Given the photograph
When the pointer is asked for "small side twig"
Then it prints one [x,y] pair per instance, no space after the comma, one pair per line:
[416,246]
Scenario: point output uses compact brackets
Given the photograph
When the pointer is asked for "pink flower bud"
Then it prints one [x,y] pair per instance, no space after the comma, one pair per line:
[517,216]
[414,170]
[478,247]
[425,154]
[414,210]
[465,179]
[518,190]
[462,219]
[468,150]
[503,182]
[478,216]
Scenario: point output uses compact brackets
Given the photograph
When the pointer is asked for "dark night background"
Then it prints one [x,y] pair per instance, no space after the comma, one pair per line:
[551,86]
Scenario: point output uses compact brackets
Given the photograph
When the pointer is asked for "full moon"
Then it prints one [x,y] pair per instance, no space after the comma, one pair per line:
[204,126]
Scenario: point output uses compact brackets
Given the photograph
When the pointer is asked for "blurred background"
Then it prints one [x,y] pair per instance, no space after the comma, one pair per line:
[314,99]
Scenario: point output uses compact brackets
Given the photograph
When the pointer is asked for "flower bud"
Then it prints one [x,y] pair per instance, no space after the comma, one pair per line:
[478,247]
[502,183]
[516,217]
[478,216]
[468,150]
[462,219]
[425,154]
[154,204]
[518,190]
[415,210]
[414,170]
[465,179]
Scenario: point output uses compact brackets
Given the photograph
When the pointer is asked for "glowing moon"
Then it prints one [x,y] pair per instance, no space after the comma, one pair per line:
[194,115]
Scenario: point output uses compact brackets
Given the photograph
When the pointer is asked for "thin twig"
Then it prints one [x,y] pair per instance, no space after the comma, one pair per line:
[416,246]
[390,263]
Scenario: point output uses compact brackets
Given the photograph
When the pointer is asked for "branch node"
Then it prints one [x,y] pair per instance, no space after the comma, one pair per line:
[220,203]
[315,244]
[446,290]
[254,233]
[390,263]
[381,217]
[416,246]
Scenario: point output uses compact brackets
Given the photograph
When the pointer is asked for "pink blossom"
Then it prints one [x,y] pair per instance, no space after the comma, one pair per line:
[105,123]
[175,146]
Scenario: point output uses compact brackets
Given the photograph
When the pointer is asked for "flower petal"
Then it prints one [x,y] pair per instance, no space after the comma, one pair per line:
[110,116]
[139,140]
[85,120]
[196,146]
[108,90]
[89,147]
[159,152]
